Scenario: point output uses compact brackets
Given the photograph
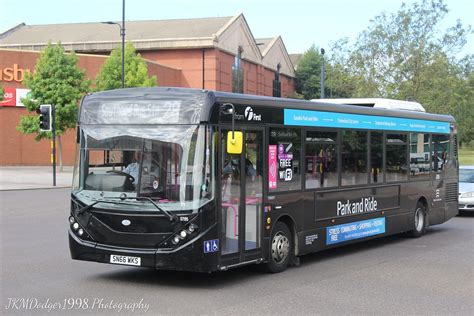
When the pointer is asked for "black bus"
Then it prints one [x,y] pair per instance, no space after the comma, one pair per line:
[197,180]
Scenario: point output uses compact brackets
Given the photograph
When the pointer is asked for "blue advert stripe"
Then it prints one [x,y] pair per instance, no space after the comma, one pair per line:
[355,230]
[344,120]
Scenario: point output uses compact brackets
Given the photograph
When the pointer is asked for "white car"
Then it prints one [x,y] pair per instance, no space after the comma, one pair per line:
[466,189]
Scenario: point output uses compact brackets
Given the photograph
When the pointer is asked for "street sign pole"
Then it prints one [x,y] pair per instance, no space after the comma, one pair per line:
[53,154]
[323,73]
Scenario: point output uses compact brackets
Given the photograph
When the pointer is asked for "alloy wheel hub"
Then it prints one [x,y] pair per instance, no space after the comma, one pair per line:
[280,247]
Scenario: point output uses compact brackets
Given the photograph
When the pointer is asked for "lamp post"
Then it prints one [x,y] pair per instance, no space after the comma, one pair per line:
[122,33]
[322,73]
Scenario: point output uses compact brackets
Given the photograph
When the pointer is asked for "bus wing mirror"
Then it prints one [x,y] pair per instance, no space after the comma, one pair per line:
[234,142]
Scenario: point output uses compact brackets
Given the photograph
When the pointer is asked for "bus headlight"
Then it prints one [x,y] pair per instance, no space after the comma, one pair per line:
[192,228]
[186,232]
[175,240]
[78,230]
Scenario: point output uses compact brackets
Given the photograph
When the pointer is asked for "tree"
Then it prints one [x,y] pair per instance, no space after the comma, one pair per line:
[308,74]
[396,49]
[136,71]
[465,112]
[56,80]
[404,55]
[340,82]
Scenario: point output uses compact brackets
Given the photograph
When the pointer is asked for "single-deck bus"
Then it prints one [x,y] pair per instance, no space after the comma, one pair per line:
[197,180]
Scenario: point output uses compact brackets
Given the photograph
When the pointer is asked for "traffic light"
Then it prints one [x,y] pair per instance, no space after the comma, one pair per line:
[45,117]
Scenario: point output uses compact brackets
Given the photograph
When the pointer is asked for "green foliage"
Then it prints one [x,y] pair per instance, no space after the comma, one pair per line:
[404,55]
[1,93]
[136,71]
[339,81]
[308,74]
[462,104]
[295,95]
[466,156]
[395,50]
[57,81]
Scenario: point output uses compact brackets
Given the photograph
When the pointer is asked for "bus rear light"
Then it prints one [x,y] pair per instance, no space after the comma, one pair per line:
[183,234]
[80,232]
[75,226]
[71,220]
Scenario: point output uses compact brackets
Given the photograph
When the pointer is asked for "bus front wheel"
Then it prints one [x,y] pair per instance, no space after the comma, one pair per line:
[281,248]
[419,221]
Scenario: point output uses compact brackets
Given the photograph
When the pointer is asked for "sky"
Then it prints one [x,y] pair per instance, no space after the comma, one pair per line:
[301,23]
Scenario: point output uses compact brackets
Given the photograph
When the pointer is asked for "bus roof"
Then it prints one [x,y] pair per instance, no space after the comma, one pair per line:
[189,106]
[325,106]
[377,103]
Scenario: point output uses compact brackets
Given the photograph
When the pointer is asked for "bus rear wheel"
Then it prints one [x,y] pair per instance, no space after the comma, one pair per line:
[281,248]
[419,221]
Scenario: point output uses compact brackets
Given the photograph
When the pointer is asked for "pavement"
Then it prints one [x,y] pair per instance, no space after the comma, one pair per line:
[431,275]
[34,177]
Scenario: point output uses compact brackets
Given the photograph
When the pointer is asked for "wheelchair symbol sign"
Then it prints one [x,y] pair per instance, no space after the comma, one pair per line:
[211,245]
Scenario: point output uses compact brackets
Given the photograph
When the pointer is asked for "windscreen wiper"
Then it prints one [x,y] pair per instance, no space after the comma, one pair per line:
[88,207]
[112,200]
[172,217]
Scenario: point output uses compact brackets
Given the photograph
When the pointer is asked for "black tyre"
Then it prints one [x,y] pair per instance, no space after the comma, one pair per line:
[419,221]
[281,248]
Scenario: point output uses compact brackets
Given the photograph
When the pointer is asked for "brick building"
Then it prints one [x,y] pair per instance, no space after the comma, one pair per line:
[209,53]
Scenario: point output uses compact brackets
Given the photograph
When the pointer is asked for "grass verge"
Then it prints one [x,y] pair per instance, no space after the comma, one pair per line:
[466,156]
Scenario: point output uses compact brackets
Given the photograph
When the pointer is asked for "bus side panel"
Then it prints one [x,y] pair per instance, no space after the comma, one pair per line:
[445,190]
[292,205]
[412,192]
[316,239]
[444,198]
[309,214]
[451,210]
[332,208]
[436,215]
[343,203]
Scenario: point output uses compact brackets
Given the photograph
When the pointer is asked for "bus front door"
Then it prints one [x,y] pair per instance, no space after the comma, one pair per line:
[241,200]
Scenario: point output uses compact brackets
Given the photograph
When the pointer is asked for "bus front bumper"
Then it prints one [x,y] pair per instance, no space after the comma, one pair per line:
[190,258]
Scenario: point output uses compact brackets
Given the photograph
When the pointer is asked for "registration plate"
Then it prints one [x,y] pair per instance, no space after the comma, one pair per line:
[131,261]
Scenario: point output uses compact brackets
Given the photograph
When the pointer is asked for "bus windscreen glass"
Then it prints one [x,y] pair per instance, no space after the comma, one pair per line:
[169,164]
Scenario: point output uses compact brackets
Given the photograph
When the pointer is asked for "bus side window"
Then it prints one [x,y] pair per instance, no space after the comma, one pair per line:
[376,157]
[354,157]
[396,157]
[419,156]
[286,143]
[321,159]
[439,152]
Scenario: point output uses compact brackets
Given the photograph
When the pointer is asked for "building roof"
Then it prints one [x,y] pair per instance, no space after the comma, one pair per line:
[295,58]
[275,55]
[224,33]
[263,43]
[100,32]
